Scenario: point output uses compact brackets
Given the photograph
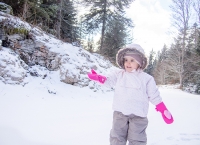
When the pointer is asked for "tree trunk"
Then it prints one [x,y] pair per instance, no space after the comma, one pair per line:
[58,27]
[25,10]
[196,5]
[103,25]
[182,15]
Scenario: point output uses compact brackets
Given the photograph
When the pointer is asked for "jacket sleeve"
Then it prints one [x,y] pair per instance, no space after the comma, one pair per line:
[153,92]
[111,79]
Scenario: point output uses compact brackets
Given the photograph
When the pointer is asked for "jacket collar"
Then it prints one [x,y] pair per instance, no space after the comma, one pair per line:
[135,71]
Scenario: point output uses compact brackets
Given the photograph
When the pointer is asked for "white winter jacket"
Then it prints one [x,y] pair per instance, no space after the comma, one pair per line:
[133,91]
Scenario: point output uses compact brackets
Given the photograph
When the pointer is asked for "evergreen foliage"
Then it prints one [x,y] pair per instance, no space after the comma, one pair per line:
[151,63]
[116,36]
[197,48]
[102,14]
[69,27]
[49,7]
[161,71]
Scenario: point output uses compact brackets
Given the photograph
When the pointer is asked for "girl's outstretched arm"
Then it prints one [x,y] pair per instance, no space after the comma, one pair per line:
[109,80]
[96,77]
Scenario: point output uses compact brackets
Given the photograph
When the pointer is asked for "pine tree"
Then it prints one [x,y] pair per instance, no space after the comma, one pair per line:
[69,28]
[162,72]
[50,7]
[101,14]
[197,48]
[117,35]
[150,66]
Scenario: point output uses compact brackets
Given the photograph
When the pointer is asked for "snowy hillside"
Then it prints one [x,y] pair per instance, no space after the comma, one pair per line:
[42,54]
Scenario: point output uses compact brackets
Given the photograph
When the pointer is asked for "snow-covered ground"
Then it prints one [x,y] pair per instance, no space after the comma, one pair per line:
[49,112]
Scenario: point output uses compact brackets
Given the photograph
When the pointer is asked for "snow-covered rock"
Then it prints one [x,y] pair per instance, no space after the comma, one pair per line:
[12,69]
[6,8]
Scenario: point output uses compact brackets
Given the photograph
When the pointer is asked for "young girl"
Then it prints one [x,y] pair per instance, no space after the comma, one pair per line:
[133,91]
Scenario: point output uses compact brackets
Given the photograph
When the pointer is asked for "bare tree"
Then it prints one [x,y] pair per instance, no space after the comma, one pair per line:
[181,14]
[174,59]
[163,72]
[196,5]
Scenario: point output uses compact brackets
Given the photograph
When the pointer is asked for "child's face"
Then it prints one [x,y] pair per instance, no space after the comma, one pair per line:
[130,64]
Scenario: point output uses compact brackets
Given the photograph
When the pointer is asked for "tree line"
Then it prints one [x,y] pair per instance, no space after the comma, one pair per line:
[180,62]
[63,18]
[81,21]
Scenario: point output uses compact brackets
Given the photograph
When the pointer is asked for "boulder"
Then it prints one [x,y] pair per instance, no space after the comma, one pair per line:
[6,8]
[12,69]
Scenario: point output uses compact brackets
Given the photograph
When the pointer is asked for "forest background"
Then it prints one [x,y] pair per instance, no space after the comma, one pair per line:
[80,22]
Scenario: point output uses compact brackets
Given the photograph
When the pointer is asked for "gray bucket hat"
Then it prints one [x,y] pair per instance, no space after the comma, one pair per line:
[133,49]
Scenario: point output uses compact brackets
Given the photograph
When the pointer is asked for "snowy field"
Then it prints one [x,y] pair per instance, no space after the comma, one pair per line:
[49,112]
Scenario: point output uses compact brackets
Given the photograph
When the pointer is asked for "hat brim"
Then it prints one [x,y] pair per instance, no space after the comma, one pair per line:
[120,57]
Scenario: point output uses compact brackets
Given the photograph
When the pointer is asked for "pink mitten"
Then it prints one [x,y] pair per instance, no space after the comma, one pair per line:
[95,77]
[165,113]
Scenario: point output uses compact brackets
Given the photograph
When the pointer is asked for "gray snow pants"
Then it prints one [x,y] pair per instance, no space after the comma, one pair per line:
[128,127]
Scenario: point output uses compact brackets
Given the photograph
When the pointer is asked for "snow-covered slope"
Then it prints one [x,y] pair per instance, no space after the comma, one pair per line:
[72,63]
